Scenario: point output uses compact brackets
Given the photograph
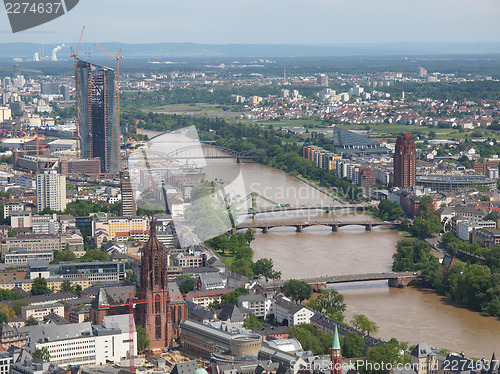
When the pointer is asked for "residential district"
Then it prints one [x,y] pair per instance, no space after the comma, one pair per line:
[92,284]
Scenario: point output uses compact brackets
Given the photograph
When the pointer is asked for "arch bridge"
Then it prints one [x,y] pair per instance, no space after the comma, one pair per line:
[300,226]
[211,151]
[395,279]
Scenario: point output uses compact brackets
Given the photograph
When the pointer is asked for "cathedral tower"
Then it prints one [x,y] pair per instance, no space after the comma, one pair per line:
[155,314]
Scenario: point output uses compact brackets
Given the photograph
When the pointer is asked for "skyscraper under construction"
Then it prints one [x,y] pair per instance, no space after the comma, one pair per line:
[99,130]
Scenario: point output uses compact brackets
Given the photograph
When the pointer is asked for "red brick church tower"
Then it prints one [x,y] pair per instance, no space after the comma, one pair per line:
[156,314]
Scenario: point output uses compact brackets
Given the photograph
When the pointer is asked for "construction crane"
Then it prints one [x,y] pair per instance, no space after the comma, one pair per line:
[75,55]
[118,57]
[131,304]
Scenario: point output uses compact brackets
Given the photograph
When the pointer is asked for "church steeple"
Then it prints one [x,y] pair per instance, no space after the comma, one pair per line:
[336,357]
[153,262]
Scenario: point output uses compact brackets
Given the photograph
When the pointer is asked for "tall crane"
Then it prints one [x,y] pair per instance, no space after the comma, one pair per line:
[75,55]
[131,305]
[118,57]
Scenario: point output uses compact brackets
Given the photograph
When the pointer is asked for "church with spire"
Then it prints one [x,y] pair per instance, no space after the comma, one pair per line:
[336,357]
[162,307]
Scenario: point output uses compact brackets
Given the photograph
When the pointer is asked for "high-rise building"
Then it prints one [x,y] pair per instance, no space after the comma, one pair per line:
[99,130]
[422,72]
[50,191]
[128,201]
[163,307]
[322,80]
[405,162]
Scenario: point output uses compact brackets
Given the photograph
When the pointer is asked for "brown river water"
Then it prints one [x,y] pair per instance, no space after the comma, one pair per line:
[412,314]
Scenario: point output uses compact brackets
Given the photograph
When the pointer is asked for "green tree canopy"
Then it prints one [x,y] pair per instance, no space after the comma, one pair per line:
[187,286]
[42,353]
[298,290]
[363,324]
[390,353]
[252,322]
[427,222]
[352,345]
[142,338]
[31,321]
[264,267]
[39,287]
[329,302]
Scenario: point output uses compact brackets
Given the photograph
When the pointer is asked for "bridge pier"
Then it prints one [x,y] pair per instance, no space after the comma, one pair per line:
[401,282]
[265,230]
[335,227]
[299,228]
[238,160]
[368,227]
[318,287]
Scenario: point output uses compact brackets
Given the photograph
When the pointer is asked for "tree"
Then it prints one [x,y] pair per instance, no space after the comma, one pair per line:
[352,345]
[427,222]
[490,217]
[298,290]
[142,338]
[92,255]
[12,233]
[42,353]
[78,290]
[389,210]
[412,255]
[471,286]
[331,303]
[264,267]
[242,266]
[17,305]
[249,235]
[363,324]
[131,276]
[66,286]
[65,255]
[311,338]
[252,322]
[31,321]
[390,353]
[232,297]
[39,287]
[4,318]
[187,286]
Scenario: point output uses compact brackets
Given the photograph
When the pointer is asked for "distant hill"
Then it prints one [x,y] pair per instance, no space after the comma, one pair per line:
[185,50]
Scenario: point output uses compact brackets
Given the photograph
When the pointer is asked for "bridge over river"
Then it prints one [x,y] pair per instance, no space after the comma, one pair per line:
[335,225]
[395,279]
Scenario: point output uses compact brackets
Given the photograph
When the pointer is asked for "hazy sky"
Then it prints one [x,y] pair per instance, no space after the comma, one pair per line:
[270,21]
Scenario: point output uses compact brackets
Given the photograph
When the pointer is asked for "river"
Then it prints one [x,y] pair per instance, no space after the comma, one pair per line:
[412,314]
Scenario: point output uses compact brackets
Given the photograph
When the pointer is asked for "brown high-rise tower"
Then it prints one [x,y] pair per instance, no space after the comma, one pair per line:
[405,162]
[165,307]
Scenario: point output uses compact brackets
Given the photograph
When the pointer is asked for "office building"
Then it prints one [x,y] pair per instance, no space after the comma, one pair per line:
[51,191]
[405,162]
[99,130]
[128,201]
[322,80]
